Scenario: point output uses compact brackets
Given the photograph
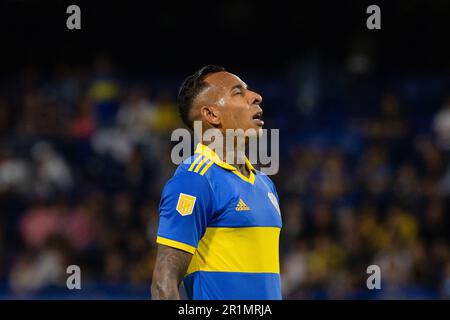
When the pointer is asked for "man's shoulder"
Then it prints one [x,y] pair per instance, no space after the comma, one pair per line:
[187,178]
[195,166]
[192,175]
[263,175]
[195,170]
[266,178]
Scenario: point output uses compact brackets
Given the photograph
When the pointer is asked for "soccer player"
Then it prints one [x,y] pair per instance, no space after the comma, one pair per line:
[219,222]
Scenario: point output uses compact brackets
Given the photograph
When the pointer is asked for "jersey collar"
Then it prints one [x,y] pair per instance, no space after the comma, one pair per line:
[211,155]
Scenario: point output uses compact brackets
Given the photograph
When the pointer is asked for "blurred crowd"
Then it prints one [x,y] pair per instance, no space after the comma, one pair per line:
[84,154]
[385,205]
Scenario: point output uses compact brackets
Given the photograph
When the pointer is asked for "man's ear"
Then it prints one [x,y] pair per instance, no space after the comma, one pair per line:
[211,115]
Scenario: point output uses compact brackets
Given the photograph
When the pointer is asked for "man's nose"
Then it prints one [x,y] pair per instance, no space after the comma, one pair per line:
[255,98]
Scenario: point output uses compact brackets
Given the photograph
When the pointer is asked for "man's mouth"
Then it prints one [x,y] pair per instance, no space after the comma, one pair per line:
[257,117]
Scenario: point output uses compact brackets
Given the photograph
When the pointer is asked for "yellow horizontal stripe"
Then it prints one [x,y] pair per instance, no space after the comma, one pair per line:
[195,162]
[253,249]
[205,168]
[176,244]
[200,164]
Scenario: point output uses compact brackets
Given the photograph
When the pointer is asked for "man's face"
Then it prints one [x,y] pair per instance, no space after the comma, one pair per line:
[238,106]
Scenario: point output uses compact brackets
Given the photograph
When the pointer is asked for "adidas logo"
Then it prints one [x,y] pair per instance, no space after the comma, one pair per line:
[241,206]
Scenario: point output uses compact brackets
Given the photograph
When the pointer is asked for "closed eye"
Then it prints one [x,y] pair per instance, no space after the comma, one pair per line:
[237,89]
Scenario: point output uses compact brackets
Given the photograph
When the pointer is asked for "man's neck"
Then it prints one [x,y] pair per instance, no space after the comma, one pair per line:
[236,154]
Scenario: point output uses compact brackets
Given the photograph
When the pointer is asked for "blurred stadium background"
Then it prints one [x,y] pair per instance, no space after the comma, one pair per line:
[86,116]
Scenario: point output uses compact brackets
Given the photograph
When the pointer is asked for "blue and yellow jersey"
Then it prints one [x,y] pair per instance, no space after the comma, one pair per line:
[230,223]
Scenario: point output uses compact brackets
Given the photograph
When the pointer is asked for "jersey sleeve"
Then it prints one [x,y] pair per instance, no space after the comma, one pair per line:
[185,209]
